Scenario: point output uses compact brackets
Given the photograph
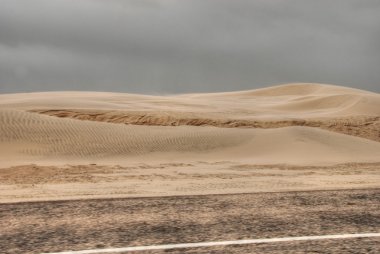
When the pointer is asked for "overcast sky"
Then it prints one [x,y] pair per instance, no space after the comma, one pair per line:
[175,46]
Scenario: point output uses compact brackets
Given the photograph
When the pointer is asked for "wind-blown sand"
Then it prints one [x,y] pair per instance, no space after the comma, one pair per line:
[293,124]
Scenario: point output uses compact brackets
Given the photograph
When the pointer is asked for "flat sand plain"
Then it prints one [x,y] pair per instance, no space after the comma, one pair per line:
[70,145]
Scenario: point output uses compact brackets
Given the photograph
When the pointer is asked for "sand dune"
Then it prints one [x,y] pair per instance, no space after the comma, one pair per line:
[313,100]
[37,138]
[272,133]
[58,145]
[286,101]
[302,89]
[361,126]
[339,109]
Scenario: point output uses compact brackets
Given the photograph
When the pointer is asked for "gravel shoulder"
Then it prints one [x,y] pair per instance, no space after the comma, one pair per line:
[33,227]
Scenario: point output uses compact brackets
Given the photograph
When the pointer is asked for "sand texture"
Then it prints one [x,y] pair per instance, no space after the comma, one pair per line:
[39,183]
[89,139]
[294,123]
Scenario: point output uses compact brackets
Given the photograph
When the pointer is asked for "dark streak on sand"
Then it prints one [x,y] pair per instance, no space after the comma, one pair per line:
[89,224]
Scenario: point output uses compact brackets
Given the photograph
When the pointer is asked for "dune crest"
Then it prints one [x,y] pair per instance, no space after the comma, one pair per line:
[365,127]
[45,138]
[275,126]
[279,102]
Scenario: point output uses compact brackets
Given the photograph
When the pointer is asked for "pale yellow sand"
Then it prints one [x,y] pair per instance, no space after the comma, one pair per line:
[30,137]
[32,182]
[295,124]
[279,102]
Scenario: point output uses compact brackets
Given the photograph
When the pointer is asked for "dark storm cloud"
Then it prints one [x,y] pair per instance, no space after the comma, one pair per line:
[167,46]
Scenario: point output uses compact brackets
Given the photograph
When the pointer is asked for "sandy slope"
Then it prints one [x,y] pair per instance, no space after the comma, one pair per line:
[279,102]
[38,137]
[69,145]
[339,109]
[27,137]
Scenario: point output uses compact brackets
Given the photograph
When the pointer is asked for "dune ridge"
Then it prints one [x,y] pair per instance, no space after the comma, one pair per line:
[361,126]
[294,137]
[38,137]
[295,123]
[320,101]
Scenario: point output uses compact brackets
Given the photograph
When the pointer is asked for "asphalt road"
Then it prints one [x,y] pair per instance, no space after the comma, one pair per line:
[90,224]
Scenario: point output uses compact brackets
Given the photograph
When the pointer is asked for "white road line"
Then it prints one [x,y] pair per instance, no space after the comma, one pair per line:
[210,244]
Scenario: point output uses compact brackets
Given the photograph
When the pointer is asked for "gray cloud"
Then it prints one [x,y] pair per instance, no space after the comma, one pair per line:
[170,46]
